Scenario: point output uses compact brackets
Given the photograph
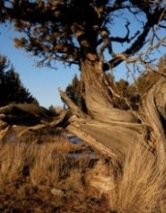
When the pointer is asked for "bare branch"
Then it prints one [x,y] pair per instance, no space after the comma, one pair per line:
[153,20]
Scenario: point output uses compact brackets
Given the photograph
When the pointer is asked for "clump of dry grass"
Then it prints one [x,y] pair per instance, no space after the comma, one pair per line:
[98,179]
[43,174]
[140,187]
[43,163]
[12,161]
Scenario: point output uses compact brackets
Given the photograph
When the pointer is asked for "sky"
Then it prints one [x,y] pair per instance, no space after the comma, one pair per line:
[43,83]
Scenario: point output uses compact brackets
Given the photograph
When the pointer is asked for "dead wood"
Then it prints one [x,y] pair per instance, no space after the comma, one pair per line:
[24,114]
[113,136]
[4,128]
[111,140]
[103,127]
[154,107]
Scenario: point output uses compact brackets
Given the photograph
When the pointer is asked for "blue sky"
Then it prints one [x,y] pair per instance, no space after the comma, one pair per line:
[43,83]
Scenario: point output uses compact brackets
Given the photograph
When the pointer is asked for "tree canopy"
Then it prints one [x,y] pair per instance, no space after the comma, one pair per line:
[72,30]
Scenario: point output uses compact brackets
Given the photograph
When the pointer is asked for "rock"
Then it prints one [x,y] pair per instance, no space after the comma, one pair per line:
[57,192]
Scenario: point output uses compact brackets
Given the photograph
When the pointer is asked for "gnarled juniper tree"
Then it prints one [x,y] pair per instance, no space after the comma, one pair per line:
[86,33]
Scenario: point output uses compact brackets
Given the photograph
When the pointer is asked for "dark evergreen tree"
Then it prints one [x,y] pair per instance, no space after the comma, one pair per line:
[74,92]
[11,88]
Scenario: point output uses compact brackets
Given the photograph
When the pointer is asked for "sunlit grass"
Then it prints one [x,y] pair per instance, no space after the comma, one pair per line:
[43,163]
[46,168]
[139,187]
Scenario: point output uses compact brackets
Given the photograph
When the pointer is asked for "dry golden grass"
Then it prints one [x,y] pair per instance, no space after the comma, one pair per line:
[140,188]
[45,167]
[41,176]
[42,163]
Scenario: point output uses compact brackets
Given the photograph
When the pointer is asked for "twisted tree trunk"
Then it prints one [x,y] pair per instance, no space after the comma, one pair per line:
[108,129]
[98,97]
[114,131]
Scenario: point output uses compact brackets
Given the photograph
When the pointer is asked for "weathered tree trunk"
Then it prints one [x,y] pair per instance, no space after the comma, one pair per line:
[114,131]
[108,129]
[98,97]
[154,109]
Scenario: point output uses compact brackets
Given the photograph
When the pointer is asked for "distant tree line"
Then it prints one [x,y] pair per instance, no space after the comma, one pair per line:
[11,88]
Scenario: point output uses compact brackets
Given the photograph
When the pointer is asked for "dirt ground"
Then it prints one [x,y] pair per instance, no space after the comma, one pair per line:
[21,197]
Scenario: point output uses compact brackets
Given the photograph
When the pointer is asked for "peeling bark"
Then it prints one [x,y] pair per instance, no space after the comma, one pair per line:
[114,131]
[112,140]
[153,109]
[99,98]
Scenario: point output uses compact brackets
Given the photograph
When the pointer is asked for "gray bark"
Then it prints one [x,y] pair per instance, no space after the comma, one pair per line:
[118,130]
[98,97]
